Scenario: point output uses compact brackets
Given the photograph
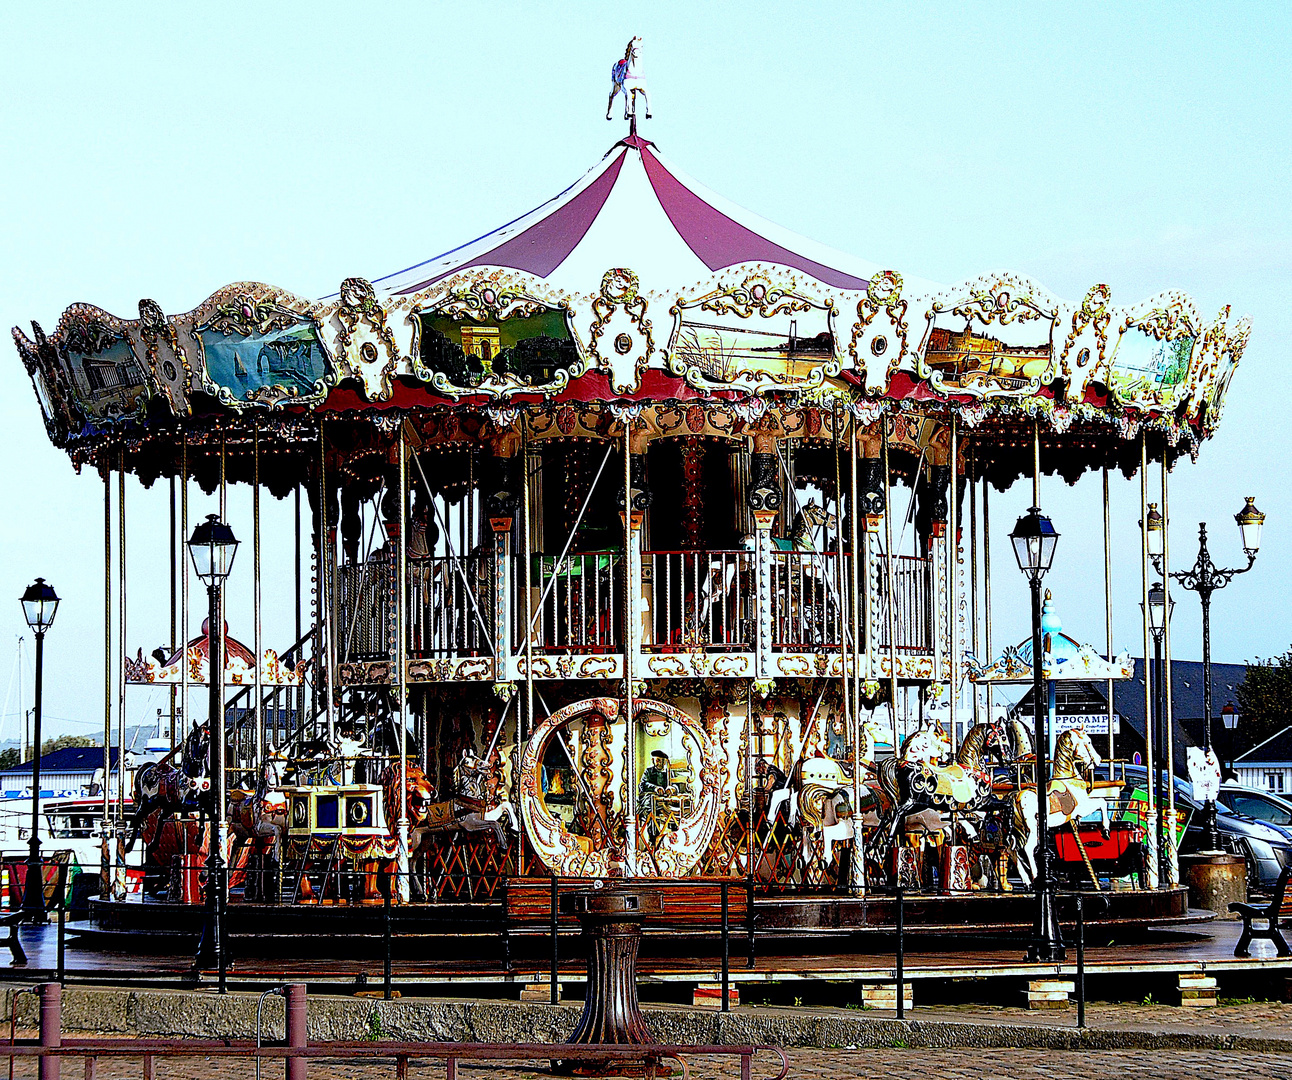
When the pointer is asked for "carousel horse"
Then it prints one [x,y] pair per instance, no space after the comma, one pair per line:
[162,786]
[1068,799]
[256,815]
[916,781]
[822,798]
[628,78]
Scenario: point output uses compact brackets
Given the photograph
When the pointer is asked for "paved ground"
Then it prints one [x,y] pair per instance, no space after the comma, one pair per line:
[894,1064]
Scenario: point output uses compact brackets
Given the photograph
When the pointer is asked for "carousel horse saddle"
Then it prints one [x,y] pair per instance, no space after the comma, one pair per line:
[955,783]
[1062,801]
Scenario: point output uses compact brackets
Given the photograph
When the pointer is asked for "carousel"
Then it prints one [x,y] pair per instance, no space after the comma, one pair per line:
[637,539]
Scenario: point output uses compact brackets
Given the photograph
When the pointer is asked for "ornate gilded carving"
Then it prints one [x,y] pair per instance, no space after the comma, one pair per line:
[620,318]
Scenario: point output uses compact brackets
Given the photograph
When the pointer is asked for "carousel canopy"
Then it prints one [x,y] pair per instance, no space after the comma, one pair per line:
[1064,659]
[638,284]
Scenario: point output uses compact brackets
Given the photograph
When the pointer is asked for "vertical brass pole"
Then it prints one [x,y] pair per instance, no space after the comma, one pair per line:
[846,609]
[1172,855]
[972,490]
[175,556]
[176,736]
[631,585]
[953,575]
[107,667]
[255,594]
[1151,779]
[121,638]
[1108,609]
[986,583]
[401,663]
[891,614]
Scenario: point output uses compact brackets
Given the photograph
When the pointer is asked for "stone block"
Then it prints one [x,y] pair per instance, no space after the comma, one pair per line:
[1049,993]
[884,995]
[540,992]
[709,995]
[1197,991]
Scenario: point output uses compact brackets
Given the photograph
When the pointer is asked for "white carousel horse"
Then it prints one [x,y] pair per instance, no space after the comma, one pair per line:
[871,732]
[627,77]
[1068,799]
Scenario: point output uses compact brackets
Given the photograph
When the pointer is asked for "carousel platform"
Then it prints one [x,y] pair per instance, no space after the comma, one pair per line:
[510,928]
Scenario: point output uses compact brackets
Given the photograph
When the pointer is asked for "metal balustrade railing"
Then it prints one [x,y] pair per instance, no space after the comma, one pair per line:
[912,606]
[442,618]
[699,598]
[690,599]
[577,604]
[807,602]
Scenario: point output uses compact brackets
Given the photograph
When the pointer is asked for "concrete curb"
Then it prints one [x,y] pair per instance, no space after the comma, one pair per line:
[203,1014]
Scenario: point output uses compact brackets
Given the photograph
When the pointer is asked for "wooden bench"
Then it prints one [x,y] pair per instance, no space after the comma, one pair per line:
[689,905]
[1277,913]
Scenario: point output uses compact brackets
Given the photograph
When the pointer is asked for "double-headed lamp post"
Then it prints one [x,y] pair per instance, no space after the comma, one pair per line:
[1204,578]
[1160,608]
[1034,540]
[39,604]
[213,547]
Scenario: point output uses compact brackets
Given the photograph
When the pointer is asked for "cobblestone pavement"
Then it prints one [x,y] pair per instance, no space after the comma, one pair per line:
[888,1064]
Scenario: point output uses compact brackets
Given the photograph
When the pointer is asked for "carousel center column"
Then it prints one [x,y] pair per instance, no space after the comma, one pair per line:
[636,500]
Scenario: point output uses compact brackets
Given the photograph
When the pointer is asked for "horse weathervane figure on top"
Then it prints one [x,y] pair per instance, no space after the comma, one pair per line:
[628,77]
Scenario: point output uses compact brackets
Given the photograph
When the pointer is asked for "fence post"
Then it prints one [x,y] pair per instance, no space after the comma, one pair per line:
[1081,963]
[51,1028]
[385,933]
[556,955]
[726,949]
[901,957]
[62,923]
[296,1032]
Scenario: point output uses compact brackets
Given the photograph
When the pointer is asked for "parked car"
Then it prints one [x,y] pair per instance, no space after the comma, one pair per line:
[1266,847]
[1258,804]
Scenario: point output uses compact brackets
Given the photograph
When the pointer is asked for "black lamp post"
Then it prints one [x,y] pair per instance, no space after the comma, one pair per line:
[1204,578]
[1159,613]
[213,547]
[1034,540]
[39,604]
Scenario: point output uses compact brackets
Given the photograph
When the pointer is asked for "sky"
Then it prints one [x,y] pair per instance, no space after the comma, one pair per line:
[165,150]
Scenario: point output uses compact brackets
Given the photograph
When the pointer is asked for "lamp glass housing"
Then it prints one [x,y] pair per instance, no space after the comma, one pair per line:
[1159,608]
[1034,540]
[1229,715]
[39,605]
[213,547]
[1154,529]
[1250,521]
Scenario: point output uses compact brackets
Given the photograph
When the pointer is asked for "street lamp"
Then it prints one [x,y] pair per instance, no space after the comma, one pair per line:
[213,547]
[39,605]
[1204,578]
[1229,717]
[1160,608]
[1034,540]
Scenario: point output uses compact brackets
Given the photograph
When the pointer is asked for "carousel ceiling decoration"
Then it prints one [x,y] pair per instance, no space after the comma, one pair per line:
[638,282]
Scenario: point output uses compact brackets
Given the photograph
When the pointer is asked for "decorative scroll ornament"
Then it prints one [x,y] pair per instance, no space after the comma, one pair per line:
[621,340]
[717,344]
[156,341]
[492,336]
[365,346]
[992,337]
[257,345]
[1085,349]
[878,343]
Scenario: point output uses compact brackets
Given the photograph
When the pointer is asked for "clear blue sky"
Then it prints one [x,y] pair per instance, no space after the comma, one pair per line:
[166,150]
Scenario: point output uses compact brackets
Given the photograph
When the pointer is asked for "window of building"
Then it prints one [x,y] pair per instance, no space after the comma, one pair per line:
[1274,782]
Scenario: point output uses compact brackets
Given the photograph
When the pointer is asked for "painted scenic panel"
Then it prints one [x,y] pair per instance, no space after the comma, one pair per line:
[106,378]
[786,347]
[970,355]
[286,359]
[1146,366]
[529,348]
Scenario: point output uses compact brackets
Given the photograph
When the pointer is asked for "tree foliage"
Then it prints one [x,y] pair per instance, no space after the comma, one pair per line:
[10,757]
[63,742]
[1264,700]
